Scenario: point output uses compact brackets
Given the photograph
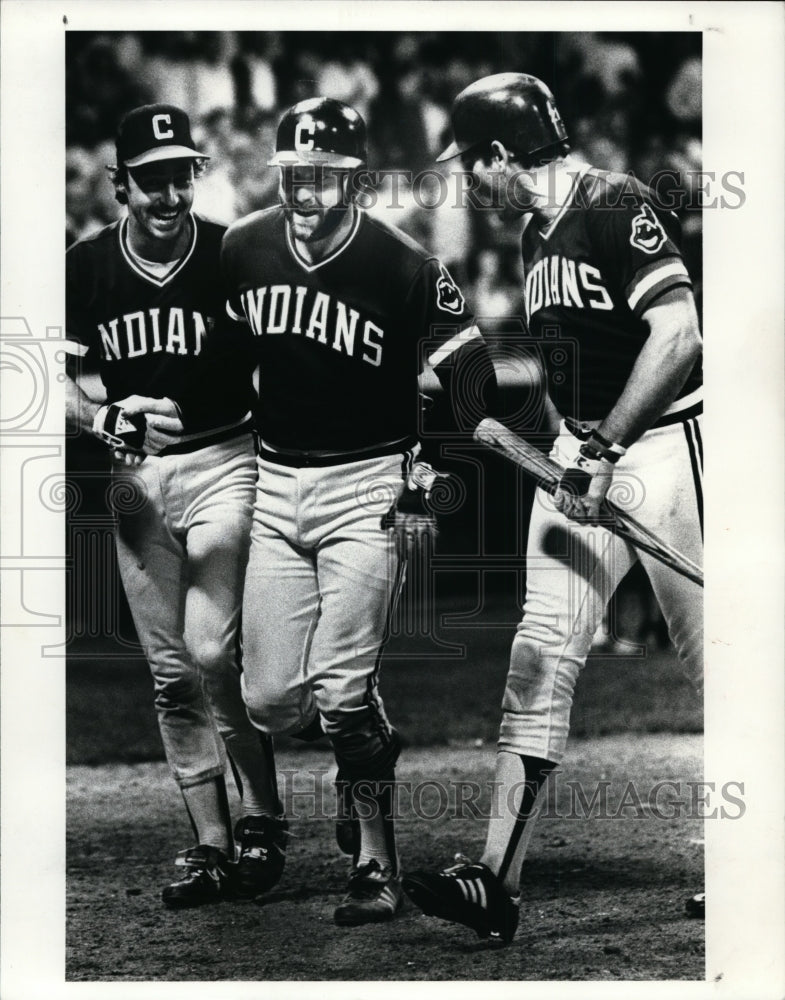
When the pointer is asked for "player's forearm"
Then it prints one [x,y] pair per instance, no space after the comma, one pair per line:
[657,378]
[469,381]
[80,410]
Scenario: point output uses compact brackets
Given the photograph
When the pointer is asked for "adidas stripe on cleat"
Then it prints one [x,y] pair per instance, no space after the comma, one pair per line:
[469,894]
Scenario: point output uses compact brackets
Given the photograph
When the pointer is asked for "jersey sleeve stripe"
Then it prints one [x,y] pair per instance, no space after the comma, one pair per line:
[75,348]
[453,344]
[644,289]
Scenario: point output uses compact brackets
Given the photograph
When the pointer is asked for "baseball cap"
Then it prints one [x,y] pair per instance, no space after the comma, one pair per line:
[155,132]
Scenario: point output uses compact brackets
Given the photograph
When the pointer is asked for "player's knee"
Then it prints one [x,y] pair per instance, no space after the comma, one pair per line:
[527,664]
[177,690]
[211,656]
[273,716]
[365,747]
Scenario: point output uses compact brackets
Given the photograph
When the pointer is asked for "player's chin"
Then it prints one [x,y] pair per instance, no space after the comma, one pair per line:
[305,224]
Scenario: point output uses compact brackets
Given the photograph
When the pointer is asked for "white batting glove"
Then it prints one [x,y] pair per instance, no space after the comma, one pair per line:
[585,482]
[118,428]
[411,516]
[163,423]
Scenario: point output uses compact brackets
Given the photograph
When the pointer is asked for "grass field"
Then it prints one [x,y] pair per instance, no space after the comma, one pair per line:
[432,697]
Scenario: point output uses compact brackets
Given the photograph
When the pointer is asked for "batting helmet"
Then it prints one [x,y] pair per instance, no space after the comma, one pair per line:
[516,109]
[320,131]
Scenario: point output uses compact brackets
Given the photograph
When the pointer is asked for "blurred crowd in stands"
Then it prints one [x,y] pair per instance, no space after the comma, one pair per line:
[631,102]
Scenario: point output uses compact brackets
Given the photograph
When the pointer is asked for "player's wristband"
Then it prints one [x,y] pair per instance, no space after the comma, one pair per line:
[601,447]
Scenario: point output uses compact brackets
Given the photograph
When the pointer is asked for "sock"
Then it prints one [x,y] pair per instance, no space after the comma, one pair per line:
[377,830]
[253,765]
[510,829]
[208,810]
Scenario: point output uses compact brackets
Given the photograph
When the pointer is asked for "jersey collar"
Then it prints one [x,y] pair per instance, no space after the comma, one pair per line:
[546,233]
[309,266]
[135,265]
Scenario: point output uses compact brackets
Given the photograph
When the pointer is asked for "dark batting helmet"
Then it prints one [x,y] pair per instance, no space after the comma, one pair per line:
[516,109]
[320,131]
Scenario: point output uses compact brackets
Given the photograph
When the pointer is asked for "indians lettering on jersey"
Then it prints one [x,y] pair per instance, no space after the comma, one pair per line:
[315,315]
[558,281]
[171,330]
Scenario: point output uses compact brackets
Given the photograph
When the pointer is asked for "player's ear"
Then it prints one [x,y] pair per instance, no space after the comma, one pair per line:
[117,177]
[500,156]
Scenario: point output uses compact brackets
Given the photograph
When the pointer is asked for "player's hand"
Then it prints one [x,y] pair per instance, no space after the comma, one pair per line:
[122,431]
[163,424]
[584,485]
[162,406]
[411,517]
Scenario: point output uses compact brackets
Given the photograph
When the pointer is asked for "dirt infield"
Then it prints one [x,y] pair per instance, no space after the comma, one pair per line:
[611,862]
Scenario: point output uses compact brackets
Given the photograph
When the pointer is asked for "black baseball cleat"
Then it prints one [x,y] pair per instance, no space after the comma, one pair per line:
[206,879]
[469,894]
[695,906]
[261,842]
[374,895]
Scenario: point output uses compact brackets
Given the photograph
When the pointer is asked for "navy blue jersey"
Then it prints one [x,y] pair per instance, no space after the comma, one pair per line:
[340,343]
[149,335]
[590,277]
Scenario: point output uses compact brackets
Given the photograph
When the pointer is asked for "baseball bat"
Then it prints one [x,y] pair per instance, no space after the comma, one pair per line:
[547,473]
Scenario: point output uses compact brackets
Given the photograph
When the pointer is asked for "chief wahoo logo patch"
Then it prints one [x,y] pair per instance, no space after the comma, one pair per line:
[647,232]
[448,295]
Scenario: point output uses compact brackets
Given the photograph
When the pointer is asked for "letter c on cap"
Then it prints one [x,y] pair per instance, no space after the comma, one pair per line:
[302,144]
[158,131]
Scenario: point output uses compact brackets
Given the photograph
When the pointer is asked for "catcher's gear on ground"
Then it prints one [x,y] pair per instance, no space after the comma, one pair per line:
[513,108]
[322,132]
[262,854]
[374,895]
[411,516]
[119,429]
[466,893]
[206,879]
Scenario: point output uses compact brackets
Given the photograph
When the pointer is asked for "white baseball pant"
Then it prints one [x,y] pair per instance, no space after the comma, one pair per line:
[183,530]
[573,570]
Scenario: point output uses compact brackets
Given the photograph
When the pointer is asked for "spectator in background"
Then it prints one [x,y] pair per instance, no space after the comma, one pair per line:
[349,79]
[255,185]
[492,296]
[80,176]
[253,70]
[216,197]
[191,69]
[99,88]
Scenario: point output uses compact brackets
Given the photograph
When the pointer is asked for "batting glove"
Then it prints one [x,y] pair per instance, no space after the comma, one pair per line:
[118,429]
[585,482]
[411,516]
[163,420]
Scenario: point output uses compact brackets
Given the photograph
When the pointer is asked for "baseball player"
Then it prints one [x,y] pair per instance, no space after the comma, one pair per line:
[603,271]
[143,302]
[339,306]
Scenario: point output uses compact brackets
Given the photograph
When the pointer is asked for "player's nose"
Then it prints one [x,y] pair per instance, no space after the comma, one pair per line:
[169,194]
[302,194]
